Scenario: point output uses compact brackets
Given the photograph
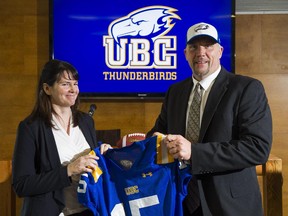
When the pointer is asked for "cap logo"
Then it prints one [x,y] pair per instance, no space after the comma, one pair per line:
[201,27]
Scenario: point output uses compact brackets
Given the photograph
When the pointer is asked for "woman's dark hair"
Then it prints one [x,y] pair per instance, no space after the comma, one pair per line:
[51,73]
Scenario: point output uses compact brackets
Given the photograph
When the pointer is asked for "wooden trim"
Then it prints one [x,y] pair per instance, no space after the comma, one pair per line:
[271,174]
[5,170]
[5,177]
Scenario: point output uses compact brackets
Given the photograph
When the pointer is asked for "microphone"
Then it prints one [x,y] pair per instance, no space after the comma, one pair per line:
[92,109]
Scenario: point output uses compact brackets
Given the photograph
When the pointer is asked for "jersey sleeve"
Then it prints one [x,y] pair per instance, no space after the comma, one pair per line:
[162,154]
[96,190]
[89,189]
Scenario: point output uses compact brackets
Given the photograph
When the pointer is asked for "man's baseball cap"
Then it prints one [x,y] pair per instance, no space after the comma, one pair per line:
[202,29]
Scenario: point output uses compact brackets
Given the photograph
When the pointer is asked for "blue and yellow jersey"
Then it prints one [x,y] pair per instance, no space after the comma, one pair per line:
[140,179]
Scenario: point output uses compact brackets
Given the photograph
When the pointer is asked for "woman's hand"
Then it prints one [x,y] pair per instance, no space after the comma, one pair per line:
[158,134]
[86,163]
[104,147]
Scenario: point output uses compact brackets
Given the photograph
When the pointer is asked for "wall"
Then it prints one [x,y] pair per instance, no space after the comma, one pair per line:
[261,48]
[262,52]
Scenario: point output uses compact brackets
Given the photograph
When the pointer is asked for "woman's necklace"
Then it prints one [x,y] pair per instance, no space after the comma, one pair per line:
[68,126]
[65,123]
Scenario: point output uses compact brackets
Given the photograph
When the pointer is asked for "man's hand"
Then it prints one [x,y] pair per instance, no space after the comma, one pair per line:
[178,146]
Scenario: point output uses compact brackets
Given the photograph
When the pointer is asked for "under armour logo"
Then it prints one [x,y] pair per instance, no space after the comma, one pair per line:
[144,175]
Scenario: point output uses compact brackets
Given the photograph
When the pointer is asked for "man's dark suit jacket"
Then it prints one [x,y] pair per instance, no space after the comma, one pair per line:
[235,135]
[37,172]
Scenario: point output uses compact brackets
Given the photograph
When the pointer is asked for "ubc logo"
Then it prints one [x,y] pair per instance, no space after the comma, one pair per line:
[139,40]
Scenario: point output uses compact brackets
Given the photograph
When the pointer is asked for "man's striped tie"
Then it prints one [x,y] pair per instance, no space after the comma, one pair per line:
[192,201]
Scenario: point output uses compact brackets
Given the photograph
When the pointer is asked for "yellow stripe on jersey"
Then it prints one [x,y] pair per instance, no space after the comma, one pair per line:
[96,173]
[163,155]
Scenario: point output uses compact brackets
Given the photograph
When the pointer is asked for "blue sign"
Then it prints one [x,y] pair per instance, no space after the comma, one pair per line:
[134,48]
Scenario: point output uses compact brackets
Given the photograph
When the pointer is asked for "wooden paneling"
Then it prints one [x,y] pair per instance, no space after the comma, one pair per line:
[248,44]
[261,52]
[261,44]
[130,117]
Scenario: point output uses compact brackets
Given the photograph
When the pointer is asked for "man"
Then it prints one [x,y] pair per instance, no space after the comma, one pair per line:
[235,131]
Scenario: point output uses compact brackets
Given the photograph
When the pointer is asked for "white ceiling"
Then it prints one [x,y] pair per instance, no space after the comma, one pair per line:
[261,6]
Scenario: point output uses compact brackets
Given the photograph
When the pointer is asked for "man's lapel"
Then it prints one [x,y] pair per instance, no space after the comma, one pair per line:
[217,91]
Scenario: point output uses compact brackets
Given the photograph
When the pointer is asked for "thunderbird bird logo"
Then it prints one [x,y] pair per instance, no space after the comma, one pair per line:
[149,22]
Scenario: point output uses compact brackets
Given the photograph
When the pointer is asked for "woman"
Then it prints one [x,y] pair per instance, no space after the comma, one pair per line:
[52,146]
